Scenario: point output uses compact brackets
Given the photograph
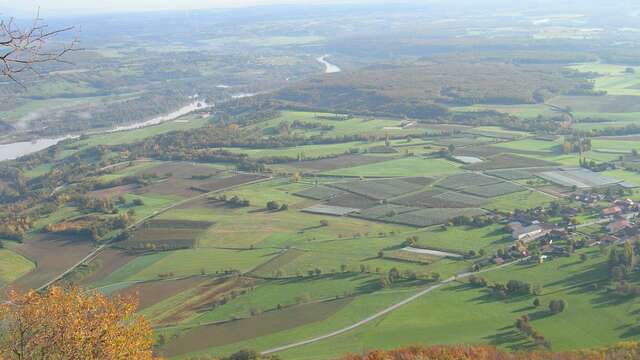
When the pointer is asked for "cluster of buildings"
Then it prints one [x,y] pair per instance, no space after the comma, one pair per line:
[617,221]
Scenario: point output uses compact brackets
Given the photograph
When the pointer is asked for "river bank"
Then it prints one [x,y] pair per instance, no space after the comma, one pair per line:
[14,150]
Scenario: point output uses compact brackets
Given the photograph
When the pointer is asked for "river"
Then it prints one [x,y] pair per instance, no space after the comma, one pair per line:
[17,149]
[329,68]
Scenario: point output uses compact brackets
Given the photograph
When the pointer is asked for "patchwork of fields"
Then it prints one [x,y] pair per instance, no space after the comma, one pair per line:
[224,260]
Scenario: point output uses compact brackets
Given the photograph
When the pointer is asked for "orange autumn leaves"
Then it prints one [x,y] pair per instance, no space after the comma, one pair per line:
[70,324]
[622,351]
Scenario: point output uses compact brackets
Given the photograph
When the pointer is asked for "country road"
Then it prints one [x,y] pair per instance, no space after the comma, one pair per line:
[139,222]
[386,310]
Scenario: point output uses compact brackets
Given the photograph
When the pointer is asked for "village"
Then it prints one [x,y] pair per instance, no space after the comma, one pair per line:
[610,223]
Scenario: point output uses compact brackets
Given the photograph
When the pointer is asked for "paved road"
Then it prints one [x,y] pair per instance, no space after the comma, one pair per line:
[432,252]
[137,223]
[385,311]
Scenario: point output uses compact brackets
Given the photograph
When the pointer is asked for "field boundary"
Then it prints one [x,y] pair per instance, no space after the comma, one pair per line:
[385,311]
[91,255]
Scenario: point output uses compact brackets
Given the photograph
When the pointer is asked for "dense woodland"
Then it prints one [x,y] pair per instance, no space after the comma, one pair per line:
[422,90]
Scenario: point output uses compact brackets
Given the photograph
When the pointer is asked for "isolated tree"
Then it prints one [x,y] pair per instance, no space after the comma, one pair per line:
[22,49]
[557,306]
[272,205]
[71,324]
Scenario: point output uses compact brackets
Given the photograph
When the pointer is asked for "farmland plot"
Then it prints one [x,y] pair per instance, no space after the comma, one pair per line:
[340,162]
[166,234]
[461,181]
[406,166]
[493,190]
[384,211]
[429,217]
[379,189]
[321,193]
[52,254]
[509,161]
[438,198]
[217,335]
[13,266]
[511,174]
[182,170]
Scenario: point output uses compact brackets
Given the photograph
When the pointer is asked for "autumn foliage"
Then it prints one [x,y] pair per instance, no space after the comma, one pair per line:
[622,351]
[70,324]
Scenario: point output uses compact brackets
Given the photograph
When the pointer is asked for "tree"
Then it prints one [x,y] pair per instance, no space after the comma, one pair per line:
[272,206]
[557,306]
[21,49]
[72,324]
[536,302]
[384,282]
[244,355]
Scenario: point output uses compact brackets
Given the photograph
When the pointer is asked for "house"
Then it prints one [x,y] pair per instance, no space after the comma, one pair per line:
[525,233]
[611,211]
[618,226]
[559,233]
[610,239]
[498,260]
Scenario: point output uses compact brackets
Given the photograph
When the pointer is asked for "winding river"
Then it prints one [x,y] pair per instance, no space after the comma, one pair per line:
[17,149]
[329,68]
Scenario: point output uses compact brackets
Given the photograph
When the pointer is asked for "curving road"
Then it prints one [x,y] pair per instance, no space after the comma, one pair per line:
[385,311]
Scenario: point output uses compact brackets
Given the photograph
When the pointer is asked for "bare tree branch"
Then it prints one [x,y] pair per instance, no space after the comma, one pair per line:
[22,49]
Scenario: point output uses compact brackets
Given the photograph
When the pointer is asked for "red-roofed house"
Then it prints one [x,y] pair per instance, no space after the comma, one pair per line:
[614,210]
[617,226]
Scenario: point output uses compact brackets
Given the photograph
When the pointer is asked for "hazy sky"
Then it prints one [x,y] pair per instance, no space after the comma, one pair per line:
[58,7]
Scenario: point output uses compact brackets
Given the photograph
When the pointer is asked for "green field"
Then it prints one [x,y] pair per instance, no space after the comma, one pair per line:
[353,126]
[13,266]
[290,292]
[463,239]
[310,151]
[461,314]
[222,275]
[359,308]
[520,200]
[613,78]
[620,146]
[124,137]
[628,176]
[181,263]
[524,111]
[411,166]
[532,145]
